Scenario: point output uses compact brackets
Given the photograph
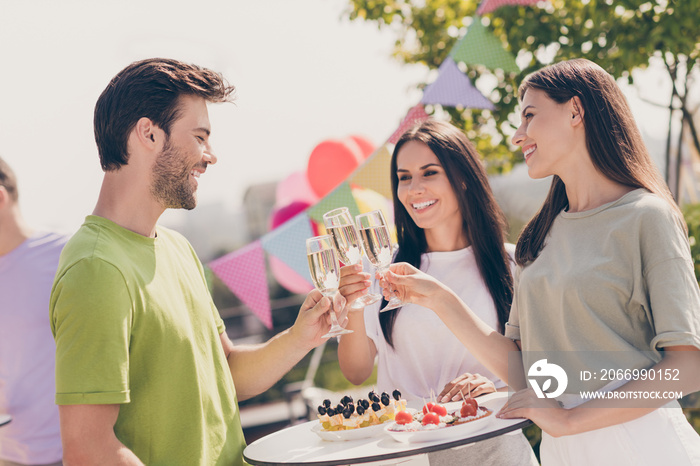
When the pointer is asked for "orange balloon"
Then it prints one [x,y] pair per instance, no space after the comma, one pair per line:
[330,163]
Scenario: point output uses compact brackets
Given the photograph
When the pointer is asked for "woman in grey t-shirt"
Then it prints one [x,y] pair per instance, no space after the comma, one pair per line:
[606,308]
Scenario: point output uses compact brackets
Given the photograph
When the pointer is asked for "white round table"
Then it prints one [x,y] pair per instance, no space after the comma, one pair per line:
[5,419]
[299,445]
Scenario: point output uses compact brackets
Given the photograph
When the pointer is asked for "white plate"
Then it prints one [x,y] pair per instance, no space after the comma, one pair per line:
[352,434]
[443,433]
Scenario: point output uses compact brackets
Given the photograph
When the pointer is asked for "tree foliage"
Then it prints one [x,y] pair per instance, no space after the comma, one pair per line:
[619,35]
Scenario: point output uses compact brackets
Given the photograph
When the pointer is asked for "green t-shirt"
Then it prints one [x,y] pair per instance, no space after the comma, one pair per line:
[135,325]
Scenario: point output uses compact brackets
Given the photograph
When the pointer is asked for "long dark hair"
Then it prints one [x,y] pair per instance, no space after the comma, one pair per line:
[484,224]
[612,139]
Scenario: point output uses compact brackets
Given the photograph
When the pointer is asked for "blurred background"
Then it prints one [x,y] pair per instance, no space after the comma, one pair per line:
[308,71]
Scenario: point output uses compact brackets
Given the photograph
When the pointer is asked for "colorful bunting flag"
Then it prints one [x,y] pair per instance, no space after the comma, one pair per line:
[487,6]
[287,242]
[452,88]
[339,197]
[374,173]
[480,47]
[415,114]
[243,272]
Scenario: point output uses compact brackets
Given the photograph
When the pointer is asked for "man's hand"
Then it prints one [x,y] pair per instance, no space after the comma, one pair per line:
[255,368]
[313,320]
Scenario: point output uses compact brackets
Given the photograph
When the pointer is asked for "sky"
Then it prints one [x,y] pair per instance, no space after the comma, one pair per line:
[303,74]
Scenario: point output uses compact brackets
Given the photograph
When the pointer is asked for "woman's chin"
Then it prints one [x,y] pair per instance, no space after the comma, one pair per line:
[536,174]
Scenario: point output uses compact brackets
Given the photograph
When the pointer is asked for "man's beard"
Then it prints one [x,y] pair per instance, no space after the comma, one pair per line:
[171,184]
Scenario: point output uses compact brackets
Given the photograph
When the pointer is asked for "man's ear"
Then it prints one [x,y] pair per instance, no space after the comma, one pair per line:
[576,111]
[4,197]
[148,134]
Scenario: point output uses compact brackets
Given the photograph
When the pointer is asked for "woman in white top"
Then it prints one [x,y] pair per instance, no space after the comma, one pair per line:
[450,226]
[605,287]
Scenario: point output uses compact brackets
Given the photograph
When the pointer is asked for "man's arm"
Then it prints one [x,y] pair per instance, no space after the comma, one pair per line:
[87,434]
[255,368]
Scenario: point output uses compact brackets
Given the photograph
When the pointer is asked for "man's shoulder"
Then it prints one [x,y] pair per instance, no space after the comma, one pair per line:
[172,236]
[92,243]
[175,241]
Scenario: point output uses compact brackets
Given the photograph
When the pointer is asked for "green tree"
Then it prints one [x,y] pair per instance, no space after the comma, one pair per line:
[619,35]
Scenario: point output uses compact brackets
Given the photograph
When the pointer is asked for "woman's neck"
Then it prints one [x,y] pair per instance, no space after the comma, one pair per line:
[589,192]
[442,240]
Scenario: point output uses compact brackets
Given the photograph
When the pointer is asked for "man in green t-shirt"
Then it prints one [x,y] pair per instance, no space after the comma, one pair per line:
[145,373]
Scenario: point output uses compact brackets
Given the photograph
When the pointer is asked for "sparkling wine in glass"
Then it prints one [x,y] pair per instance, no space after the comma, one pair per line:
[325,273]
[377,244]
[340,226]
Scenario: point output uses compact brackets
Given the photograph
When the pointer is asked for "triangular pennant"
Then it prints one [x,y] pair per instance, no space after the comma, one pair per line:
[339,197]
[452,88]
[487,6]
[369,200]
[415,115]
[374,173]
[243,272]
[287,242]
[480,47]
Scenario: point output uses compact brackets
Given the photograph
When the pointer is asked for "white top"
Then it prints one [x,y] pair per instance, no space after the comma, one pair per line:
[27,352]
[426,354]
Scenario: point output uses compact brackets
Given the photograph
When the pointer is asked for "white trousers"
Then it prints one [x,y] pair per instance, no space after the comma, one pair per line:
[660,437]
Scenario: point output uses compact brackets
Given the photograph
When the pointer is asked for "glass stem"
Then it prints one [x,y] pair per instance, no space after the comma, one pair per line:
[382,272]
[334,319]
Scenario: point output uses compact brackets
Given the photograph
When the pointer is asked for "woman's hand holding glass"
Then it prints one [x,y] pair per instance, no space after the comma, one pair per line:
[340,226]
[354,284]
[410,285]
[377,244]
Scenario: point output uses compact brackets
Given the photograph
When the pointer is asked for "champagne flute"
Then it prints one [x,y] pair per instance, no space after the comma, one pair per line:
[339,224]
[377,243]
[325,273]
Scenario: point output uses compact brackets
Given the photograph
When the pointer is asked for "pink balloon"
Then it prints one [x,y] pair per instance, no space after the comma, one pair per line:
[282,214]
[295,188]
[365,145]
[287,277]
[330,163]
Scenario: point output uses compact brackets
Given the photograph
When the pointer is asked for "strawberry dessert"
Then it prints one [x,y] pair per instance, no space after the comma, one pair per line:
[435,416]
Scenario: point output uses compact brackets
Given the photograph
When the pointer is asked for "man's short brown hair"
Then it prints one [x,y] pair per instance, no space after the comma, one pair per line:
[149,88]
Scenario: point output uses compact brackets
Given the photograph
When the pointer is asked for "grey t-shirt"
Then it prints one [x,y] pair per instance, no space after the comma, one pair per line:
[611,287]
